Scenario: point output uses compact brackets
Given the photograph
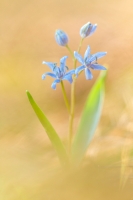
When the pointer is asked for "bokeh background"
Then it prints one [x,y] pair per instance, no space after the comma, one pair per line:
[26,39]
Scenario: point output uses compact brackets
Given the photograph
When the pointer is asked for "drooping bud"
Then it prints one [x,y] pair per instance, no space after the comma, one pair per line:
[87,30]
[61,38]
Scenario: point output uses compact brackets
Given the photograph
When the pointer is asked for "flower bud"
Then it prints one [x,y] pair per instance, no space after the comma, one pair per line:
[61,38]
[87,30]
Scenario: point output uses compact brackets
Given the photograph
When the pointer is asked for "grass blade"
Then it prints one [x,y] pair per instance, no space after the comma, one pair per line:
[53,136]
[89,120]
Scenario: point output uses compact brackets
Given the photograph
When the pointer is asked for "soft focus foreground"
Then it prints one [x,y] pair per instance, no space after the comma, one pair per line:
[29,167]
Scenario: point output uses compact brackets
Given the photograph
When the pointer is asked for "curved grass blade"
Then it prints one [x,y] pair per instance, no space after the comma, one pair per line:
[89,120]
[53,136]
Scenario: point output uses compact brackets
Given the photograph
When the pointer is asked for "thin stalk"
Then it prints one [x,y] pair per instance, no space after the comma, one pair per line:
[72,106]
[65,97]
[80,44]
[71,118]
[70,51]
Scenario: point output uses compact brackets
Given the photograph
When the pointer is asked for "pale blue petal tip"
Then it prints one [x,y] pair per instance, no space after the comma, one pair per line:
[43,76]
[53,87]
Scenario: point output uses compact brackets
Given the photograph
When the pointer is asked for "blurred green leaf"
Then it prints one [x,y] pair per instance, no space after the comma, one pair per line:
[89,120]
[53,136]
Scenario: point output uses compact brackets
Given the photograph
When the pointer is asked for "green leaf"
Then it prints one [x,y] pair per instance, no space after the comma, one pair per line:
[53,136]
[89,120]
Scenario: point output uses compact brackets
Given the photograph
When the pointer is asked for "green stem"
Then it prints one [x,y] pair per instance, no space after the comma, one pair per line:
[71,118]
[72,108]
[70,51]
[80,44]
[65,97]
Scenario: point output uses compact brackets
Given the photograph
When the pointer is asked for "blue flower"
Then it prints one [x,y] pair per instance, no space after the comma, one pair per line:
[89,62]
[61,38]
[87,30]
[59,73]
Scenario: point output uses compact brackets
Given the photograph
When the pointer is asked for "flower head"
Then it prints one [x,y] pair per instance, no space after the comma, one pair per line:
[87,30]
[61,38]
[59,73]
[89,62]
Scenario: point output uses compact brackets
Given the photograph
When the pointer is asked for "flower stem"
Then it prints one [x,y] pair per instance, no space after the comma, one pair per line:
[72,108]
[65,97]
[71,118]
[70,51]
[80,44]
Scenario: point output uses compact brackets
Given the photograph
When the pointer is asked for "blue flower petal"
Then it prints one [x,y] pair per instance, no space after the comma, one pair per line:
[50,64]
[54,83]
[61,38]
[68,78]
[70,72]
[78,57]
[88,74]
[87,53]
[63,63]
[79,69]
[57,71]
[97,67]
[96,56]
[48,74]
[87,30]
[93,29]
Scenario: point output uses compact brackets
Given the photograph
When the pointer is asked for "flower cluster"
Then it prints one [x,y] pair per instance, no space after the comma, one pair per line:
[89,61]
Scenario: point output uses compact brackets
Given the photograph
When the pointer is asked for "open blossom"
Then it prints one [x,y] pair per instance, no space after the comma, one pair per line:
[89,62]
[59,73]
[61,38]
[87,30]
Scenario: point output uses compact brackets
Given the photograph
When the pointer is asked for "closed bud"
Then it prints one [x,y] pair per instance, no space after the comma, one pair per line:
[87,30]
[61,38]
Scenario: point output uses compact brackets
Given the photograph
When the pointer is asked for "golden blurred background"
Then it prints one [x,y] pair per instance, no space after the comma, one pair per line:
[27,30]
